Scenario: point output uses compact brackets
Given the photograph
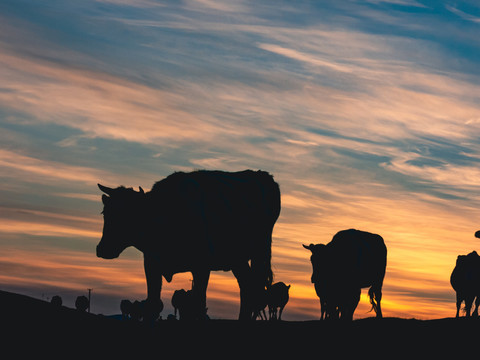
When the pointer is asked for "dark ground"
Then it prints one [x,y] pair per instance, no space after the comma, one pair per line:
[31,325]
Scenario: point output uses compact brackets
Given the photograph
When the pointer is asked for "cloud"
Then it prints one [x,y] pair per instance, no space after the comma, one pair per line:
[303,57]
[462,14]
[48,223]
[398,2]
[28,168]
[96,104]
[221,6]
[463,177]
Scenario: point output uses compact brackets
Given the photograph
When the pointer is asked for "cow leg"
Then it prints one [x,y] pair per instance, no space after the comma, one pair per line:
[323,307]
[153,305]
[477,304]
[378,298]
[243,275]
[468,305]
[200,283]
[264,314]
[459,304]
[349,304]
[270,312]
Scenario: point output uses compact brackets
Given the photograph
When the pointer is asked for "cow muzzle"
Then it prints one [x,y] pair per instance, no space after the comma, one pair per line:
[101,253]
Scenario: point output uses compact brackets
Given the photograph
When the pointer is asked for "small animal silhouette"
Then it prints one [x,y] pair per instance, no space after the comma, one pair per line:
[277,298]
[126,309]
[81,303]
[56,301]
[465,280]
[187,303]
[137,310]
[178,299]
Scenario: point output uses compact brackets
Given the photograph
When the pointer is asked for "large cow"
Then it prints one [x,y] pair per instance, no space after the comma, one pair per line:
[197,222]
[465,280]
[351,261]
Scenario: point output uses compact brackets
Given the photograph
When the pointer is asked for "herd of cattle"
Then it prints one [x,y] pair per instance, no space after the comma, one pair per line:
[206,221]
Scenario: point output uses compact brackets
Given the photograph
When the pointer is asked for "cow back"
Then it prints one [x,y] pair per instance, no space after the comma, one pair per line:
[213,216]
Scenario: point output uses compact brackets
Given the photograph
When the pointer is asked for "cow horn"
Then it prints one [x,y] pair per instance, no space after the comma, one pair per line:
[105,189]
[141,190]
[309,247]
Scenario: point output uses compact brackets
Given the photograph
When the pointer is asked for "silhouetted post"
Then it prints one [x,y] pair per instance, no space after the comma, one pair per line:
[89,298]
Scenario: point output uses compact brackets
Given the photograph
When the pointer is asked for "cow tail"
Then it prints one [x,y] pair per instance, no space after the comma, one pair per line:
[267,267]
[373,299]
[271,201]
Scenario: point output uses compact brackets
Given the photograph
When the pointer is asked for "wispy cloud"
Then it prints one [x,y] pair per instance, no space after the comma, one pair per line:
[37,170]
[307,58]
[462,14]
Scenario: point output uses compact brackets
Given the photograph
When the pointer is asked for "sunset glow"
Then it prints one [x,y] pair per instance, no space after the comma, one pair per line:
[366,113]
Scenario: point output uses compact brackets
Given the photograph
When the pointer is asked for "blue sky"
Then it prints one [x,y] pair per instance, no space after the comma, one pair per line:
[366,112]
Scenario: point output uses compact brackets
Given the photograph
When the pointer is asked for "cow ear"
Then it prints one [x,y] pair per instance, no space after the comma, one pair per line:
[105,199]
[309,247]
[105,189]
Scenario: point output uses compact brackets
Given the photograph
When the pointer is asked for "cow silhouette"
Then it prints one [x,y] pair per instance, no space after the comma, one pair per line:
[197,222]
[351,261]
[465,280]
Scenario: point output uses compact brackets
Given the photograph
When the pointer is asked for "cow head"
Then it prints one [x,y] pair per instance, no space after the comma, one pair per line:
[318,259]
[122,213]
[470,261]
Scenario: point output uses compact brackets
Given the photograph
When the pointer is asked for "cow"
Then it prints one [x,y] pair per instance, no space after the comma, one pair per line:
[197,222]
[353,260]
[465,280]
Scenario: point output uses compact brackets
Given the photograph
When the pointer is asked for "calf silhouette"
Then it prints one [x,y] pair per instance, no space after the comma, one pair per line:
[178,299]
[351,261]
[186,304]
[277,298]
[126,309]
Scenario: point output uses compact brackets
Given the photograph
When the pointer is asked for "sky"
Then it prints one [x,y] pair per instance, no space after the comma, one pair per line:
[367,113]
